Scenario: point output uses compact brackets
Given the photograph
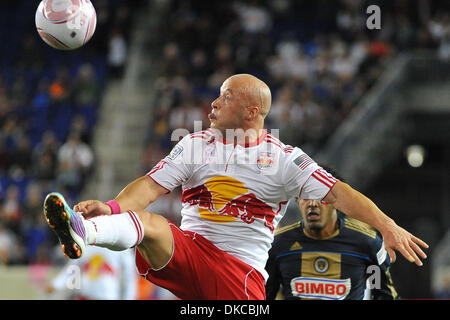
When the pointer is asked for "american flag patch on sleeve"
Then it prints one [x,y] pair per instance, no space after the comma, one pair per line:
[303,161]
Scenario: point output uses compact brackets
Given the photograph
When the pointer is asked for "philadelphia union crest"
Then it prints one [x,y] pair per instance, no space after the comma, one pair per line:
[321,265]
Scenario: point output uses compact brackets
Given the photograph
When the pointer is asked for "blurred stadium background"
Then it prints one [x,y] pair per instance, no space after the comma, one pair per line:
[373,104]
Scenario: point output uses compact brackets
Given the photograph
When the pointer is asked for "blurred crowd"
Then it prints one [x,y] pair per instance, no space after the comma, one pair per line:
[49,103]
[318,57]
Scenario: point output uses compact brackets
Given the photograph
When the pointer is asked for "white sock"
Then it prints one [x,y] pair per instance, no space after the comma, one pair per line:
[116,232]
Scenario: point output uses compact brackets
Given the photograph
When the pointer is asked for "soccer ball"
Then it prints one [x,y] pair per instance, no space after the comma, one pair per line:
[66,24]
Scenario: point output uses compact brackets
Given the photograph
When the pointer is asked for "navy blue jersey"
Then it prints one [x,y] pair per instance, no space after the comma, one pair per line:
[335,268]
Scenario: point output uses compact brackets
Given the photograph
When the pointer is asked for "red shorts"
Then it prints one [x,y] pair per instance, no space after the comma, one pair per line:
[198,270]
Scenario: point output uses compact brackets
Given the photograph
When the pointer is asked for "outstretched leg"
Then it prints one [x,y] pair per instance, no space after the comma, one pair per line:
[67,225]
[150,232]
[157,245]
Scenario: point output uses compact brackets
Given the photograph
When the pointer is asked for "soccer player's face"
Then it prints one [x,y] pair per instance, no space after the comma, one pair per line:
[227,110]
[315,214]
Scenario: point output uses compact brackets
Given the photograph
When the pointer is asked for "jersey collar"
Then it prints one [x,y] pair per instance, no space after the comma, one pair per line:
[221,139]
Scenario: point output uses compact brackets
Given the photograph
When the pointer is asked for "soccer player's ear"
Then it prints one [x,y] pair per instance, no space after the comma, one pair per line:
[251,112]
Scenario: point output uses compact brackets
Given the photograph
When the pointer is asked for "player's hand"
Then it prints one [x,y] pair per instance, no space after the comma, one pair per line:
[92,208]
[397,238]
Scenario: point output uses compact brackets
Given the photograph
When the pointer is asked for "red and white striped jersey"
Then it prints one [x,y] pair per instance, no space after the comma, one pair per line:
[235,195]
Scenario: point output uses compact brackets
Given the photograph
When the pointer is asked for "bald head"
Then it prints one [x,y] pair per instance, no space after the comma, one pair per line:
[243,103]
[252,91]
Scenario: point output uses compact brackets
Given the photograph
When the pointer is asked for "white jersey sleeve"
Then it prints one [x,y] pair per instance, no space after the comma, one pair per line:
[304,178]
[175,168]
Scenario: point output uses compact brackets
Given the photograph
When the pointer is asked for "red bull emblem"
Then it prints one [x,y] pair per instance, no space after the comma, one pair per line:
[97,266]
[265,160]
[225,199]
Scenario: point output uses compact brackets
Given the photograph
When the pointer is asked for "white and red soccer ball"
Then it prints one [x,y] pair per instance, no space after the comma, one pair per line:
[66,24]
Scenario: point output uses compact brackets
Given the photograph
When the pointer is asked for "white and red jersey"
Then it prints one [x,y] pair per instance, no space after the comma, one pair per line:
[235,195]
[100,274]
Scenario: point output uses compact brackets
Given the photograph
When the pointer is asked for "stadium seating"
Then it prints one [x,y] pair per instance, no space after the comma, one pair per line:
[45,96]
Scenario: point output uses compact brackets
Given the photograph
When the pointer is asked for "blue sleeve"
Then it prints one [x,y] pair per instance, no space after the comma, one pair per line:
[379,275]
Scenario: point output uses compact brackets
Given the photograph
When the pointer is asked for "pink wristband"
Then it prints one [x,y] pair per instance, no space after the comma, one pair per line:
[114,205]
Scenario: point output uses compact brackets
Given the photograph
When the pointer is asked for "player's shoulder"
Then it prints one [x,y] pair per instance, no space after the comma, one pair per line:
[200,135]
[287,152]
[361,228]
[286,239]
[277,145]
[364,237]
[193,140]
[283,231]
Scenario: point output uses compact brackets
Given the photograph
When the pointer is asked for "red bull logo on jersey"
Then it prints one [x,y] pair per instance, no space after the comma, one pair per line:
[96,267]
[225,199]
[320,288]
[265,160]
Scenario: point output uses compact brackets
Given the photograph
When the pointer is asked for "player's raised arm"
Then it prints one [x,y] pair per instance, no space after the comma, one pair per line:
[135,196]
[355,204]
[140,193]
